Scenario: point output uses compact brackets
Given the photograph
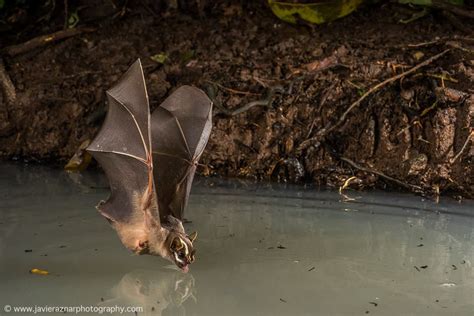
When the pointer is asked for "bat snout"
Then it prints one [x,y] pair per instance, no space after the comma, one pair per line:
[184,257]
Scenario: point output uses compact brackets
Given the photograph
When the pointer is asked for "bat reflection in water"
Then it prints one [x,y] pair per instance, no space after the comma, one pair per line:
[158,292]
[150,161]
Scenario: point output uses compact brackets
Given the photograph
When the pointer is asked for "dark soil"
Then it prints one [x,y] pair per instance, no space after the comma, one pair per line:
[410,130]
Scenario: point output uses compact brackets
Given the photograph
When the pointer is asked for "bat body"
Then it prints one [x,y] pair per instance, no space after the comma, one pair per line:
[150,161]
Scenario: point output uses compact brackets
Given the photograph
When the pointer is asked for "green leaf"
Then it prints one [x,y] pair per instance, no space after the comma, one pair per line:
[317,12]
[72,20]
[159,58]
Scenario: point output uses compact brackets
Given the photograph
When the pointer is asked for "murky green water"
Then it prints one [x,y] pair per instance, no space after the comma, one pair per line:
[262,250]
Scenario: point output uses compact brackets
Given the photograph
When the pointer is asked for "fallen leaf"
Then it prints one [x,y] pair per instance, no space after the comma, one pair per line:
[81,158]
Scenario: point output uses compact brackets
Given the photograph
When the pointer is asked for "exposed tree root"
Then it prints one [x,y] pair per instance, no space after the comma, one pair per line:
[381,174]
[6,84]
[330,127]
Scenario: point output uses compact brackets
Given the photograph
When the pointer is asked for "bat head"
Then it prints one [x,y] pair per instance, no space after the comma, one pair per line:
[182,252]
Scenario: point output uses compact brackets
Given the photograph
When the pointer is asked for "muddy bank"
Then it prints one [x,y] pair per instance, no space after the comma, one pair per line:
[293,80]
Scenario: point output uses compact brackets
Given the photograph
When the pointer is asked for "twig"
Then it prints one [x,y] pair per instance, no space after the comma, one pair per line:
[441,77]
[471,134]
[330,127]
[43,40]
[232,90]
[381,174]
[423,44]
[346,184]
[6,84]
[450,41]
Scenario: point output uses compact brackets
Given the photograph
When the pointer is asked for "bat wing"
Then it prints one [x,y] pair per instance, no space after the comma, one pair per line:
[180,129]
[123,147]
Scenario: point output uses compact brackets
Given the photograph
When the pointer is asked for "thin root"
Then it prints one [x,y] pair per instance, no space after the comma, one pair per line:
[463,147]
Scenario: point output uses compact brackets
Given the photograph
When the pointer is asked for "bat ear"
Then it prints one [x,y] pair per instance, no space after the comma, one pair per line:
[193,236]
[177,244]
[150,220]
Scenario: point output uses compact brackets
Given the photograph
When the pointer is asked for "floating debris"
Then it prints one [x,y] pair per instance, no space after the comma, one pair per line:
[28,250]
[448,284]
[312,268]
[424,267]
[373,303]
[281,247]
[39,271]
[282,300]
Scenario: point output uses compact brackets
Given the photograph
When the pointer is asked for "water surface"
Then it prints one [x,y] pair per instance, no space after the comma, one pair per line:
[263,249]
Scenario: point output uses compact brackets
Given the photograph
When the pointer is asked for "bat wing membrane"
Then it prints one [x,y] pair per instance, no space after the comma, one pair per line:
[123,146]
[180,129]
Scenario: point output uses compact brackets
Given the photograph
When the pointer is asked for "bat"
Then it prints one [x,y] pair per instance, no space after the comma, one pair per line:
[150,161]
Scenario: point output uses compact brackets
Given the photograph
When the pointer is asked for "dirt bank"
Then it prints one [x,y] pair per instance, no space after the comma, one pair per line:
[410,133]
